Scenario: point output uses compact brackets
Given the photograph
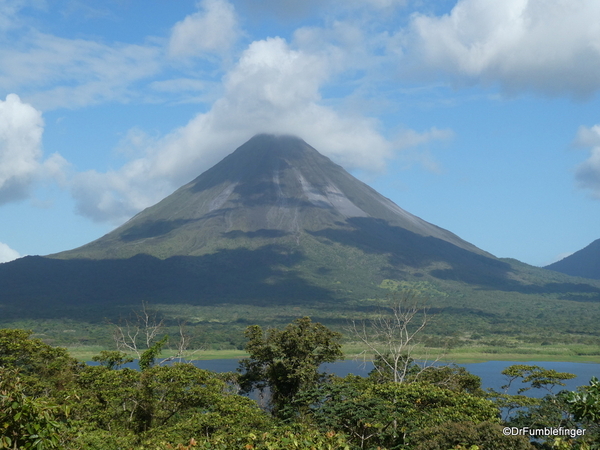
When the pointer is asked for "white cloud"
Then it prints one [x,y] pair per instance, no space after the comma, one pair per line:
[273,88]
[21,128]
[214,29]
[588,137]
[548,46]
[21,156]
[271,74]
[587,173]
[7,254]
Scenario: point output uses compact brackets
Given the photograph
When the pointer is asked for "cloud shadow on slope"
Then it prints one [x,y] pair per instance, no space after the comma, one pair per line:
[262,276]
[405,248]
[151,229]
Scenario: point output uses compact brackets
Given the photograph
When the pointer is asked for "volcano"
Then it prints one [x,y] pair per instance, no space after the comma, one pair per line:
[273,222]
[272,189]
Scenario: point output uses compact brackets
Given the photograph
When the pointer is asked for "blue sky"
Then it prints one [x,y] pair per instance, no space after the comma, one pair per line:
[479,116]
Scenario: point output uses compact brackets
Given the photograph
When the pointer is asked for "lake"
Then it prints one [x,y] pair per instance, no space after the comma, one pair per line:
[489,371]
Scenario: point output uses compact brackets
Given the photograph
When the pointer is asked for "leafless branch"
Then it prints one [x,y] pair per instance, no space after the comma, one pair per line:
[391,337]
[183,353]
[137,335]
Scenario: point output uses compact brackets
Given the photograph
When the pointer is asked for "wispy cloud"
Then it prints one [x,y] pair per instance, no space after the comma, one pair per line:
[53,72]
[213,29]
[65,73]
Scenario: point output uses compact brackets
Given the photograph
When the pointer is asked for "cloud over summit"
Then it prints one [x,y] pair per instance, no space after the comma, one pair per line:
[272,88]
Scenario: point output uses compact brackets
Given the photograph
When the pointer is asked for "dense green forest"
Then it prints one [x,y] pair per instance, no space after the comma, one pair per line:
[48,400]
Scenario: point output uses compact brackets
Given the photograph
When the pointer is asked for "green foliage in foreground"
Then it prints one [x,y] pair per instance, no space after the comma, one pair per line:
[585,403]
[287,361]
[387,415]
[49,401]
[26,422]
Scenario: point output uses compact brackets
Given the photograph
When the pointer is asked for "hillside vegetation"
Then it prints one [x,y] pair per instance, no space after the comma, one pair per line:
[559,311]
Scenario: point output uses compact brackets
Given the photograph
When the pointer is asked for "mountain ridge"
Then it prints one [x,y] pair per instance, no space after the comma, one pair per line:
[583,263]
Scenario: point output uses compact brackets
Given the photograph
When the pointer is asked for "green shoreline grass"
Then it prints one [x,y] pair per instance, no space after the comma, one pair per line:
[461,355]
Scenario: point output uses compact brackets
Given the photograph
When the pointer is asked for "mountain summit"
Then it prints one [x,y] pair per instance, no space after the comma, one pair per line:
[274,188]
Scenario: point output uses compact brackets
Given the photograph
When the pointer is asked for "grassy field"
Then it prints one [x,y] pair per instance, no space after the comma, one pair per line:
[85,353]
[476,354]
[463,355]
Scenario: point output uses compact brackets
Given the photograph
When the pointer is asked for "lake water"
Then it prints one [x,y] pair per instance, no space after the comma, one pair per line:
[489,372]
[492,378]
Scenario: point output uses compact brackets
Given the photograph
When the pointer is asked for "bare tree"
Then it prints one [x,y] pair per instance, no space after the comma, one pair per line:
[182,347]
[391,336]
[141,332]
[137,335]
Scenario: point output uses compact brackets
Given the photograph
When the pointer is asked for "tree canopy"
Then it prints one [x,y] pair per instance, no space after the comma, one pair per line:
[50,401]
[287,361]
